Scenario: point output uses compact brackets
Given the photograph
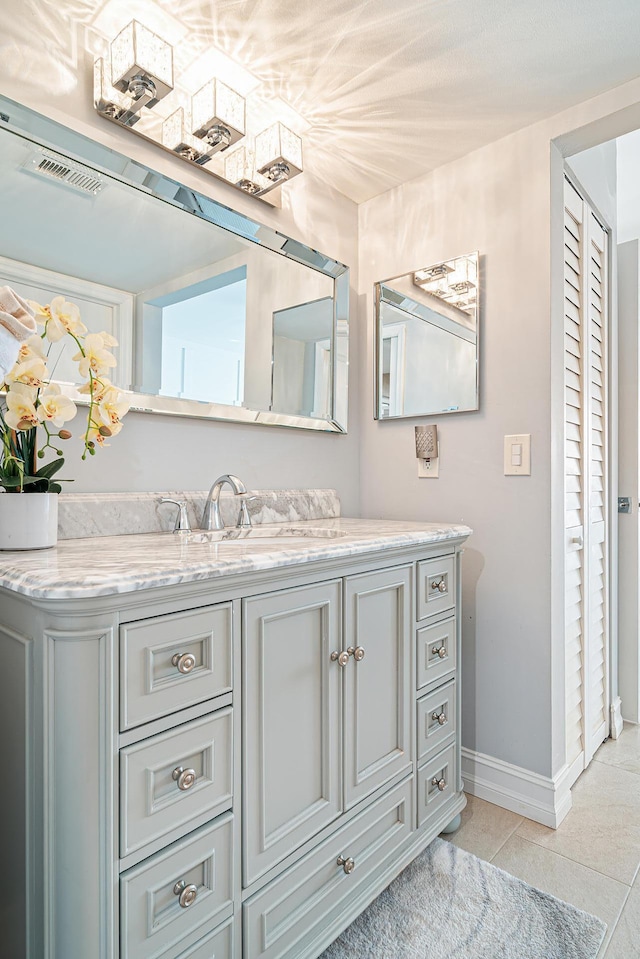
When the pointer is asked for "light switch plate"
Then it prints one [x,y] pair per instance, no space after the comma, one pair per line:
[517,455]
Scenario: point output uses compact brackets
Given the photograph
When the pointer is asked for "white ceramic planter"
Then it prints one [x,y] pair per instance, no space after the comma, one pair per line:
[28,520]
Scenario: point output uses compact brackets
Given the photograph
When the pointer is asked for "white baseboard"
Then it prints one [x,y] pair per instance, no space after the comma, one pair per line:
[616,718]
[544,799]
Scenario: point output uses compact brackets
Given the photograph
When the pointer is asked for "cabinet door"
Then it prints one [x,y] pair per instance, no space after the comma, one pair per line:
[291,731]
[378,693]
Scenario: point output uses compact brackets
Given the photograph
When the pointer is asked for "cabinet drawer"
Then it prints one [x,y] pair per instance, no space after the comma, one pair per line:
[153,923]
[436,586]
[158,796]
[440,769]
[436,651]
[172,662]
[299,903]
[436,720]
[219,945]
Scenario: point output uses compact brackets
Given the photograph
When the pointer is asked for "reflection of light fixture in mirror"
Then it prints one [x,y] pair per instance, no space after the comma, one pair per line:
[422,277]
[454,281]
[139,73]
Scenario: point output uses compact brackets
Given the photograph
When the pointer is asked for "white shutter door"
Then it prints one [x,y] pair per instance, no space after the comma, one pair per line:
[574,479]
[586,568]
[596,728]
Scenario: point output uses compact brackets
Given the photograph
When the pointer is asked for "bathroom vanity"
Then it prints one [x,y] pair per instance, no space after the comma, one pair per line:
[223,748]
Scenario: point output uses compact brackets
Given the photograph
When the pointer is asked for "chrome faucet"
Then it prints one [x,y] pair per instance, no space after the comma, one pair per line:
[212,518]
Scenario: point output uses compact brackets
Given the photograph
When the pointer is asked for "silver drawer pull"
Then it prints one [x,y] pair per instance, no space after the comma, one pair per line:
[357,652]
[184,777]
[186,894]
[184,662]
[440,651]
[347,864]
[440,783]
[341,658]
[440,717]
[439,584]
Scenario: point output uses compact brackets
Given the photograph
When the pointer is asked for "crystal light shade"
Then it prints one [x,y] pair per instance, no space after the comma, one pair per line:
[218,114]
[176,137]
[107,99]
[239,169]
[278,153]
[140,58]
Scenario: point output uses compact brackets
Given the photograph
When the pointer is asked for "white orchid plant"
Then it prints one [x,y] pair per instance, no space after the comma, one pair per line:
[34,405]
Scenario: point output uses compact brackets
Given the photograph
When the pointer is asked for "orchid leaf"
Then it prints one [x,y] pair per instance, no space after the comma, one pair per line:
[48,470]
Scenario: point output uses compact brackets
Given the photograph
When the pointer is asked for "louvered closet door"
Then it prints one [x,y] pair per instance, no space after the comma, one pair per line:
[597,706]
[586,571]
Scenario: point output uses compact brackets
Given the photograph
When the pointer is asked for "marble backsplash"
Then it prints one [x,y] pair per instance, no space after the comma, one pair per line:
[113,514]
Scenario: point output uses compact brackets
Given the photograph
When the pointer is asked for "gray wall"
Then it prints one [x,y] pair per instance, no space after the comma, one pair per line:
[496,200]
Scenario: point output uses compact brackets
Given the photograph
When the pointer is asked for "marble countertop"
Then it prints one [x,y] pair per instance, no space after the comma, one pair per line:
[107,565]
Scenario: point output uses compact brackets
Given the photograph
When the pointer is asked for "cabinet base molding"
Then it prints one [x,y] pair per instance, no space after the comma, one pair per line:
[543,799]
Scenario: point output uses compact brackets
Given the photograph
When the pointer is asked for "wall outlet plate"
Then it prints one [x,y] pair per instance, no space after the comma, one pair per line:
[429,468]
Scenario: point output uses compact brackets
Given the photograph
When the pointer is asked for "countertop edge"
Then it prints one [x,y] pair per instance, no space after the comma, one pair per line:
[53,584]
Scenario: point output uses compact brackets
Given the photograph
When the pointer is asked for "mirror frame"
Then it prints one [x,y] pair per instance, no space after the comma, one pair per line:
[27,124]
[377,356]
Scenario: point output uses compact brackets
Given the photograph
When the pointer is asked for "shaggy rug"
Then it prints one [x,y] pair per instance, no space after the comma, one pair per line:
[448,904]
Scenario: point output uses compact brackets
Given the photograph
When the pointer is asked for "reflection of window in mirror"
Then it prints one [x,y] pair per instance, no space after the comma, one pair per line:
[393,364]
[202,338]
[301,381]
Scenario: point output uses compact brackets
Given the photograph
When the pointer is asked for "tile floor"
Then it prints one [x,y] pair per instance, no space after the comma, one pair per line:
[593,859]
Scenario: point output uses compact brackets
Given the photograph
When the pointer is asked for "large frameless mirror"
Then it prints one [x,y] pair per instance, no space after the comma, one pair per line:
[217,315]
[427,340]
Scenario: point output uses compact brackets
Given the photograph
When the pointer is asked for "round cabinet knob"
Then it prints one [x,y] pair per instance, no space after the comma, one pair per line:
[341,658]
[357,652]
[440,783]
[347,864]
[184,777]
[440,651]
[441,717]
[439,584]
[184,662]
[186,894]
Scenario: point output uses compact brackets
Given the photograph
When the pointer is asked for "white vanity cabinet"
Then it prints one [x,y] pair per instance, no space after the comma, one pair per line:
[230,768]
[327,706]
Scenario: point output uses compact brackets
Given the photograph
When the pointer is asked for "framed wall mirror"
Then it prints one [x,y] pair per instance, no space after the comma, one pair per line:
[427,340]
[217,315]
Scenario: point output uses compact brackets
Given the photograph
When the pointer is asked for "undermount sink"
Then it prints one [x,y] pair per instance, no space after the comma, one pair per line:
[283,536]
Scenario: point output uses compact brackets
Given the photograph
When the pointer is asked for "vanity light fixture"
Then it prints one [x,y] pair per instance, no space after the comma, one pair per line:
[139,76]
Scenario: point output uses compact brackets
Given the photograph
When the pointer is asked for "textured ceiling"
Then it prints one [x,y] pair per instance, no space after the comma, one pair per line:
[390,88]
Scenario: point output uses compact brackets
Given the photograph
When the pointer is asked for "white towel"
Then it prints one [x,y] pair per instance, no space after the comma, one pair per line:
[17,323]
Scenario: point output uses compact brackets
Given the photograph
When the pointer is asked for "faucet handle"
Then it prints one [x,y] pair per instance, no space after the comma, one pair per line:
[244,520]
[182,519]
